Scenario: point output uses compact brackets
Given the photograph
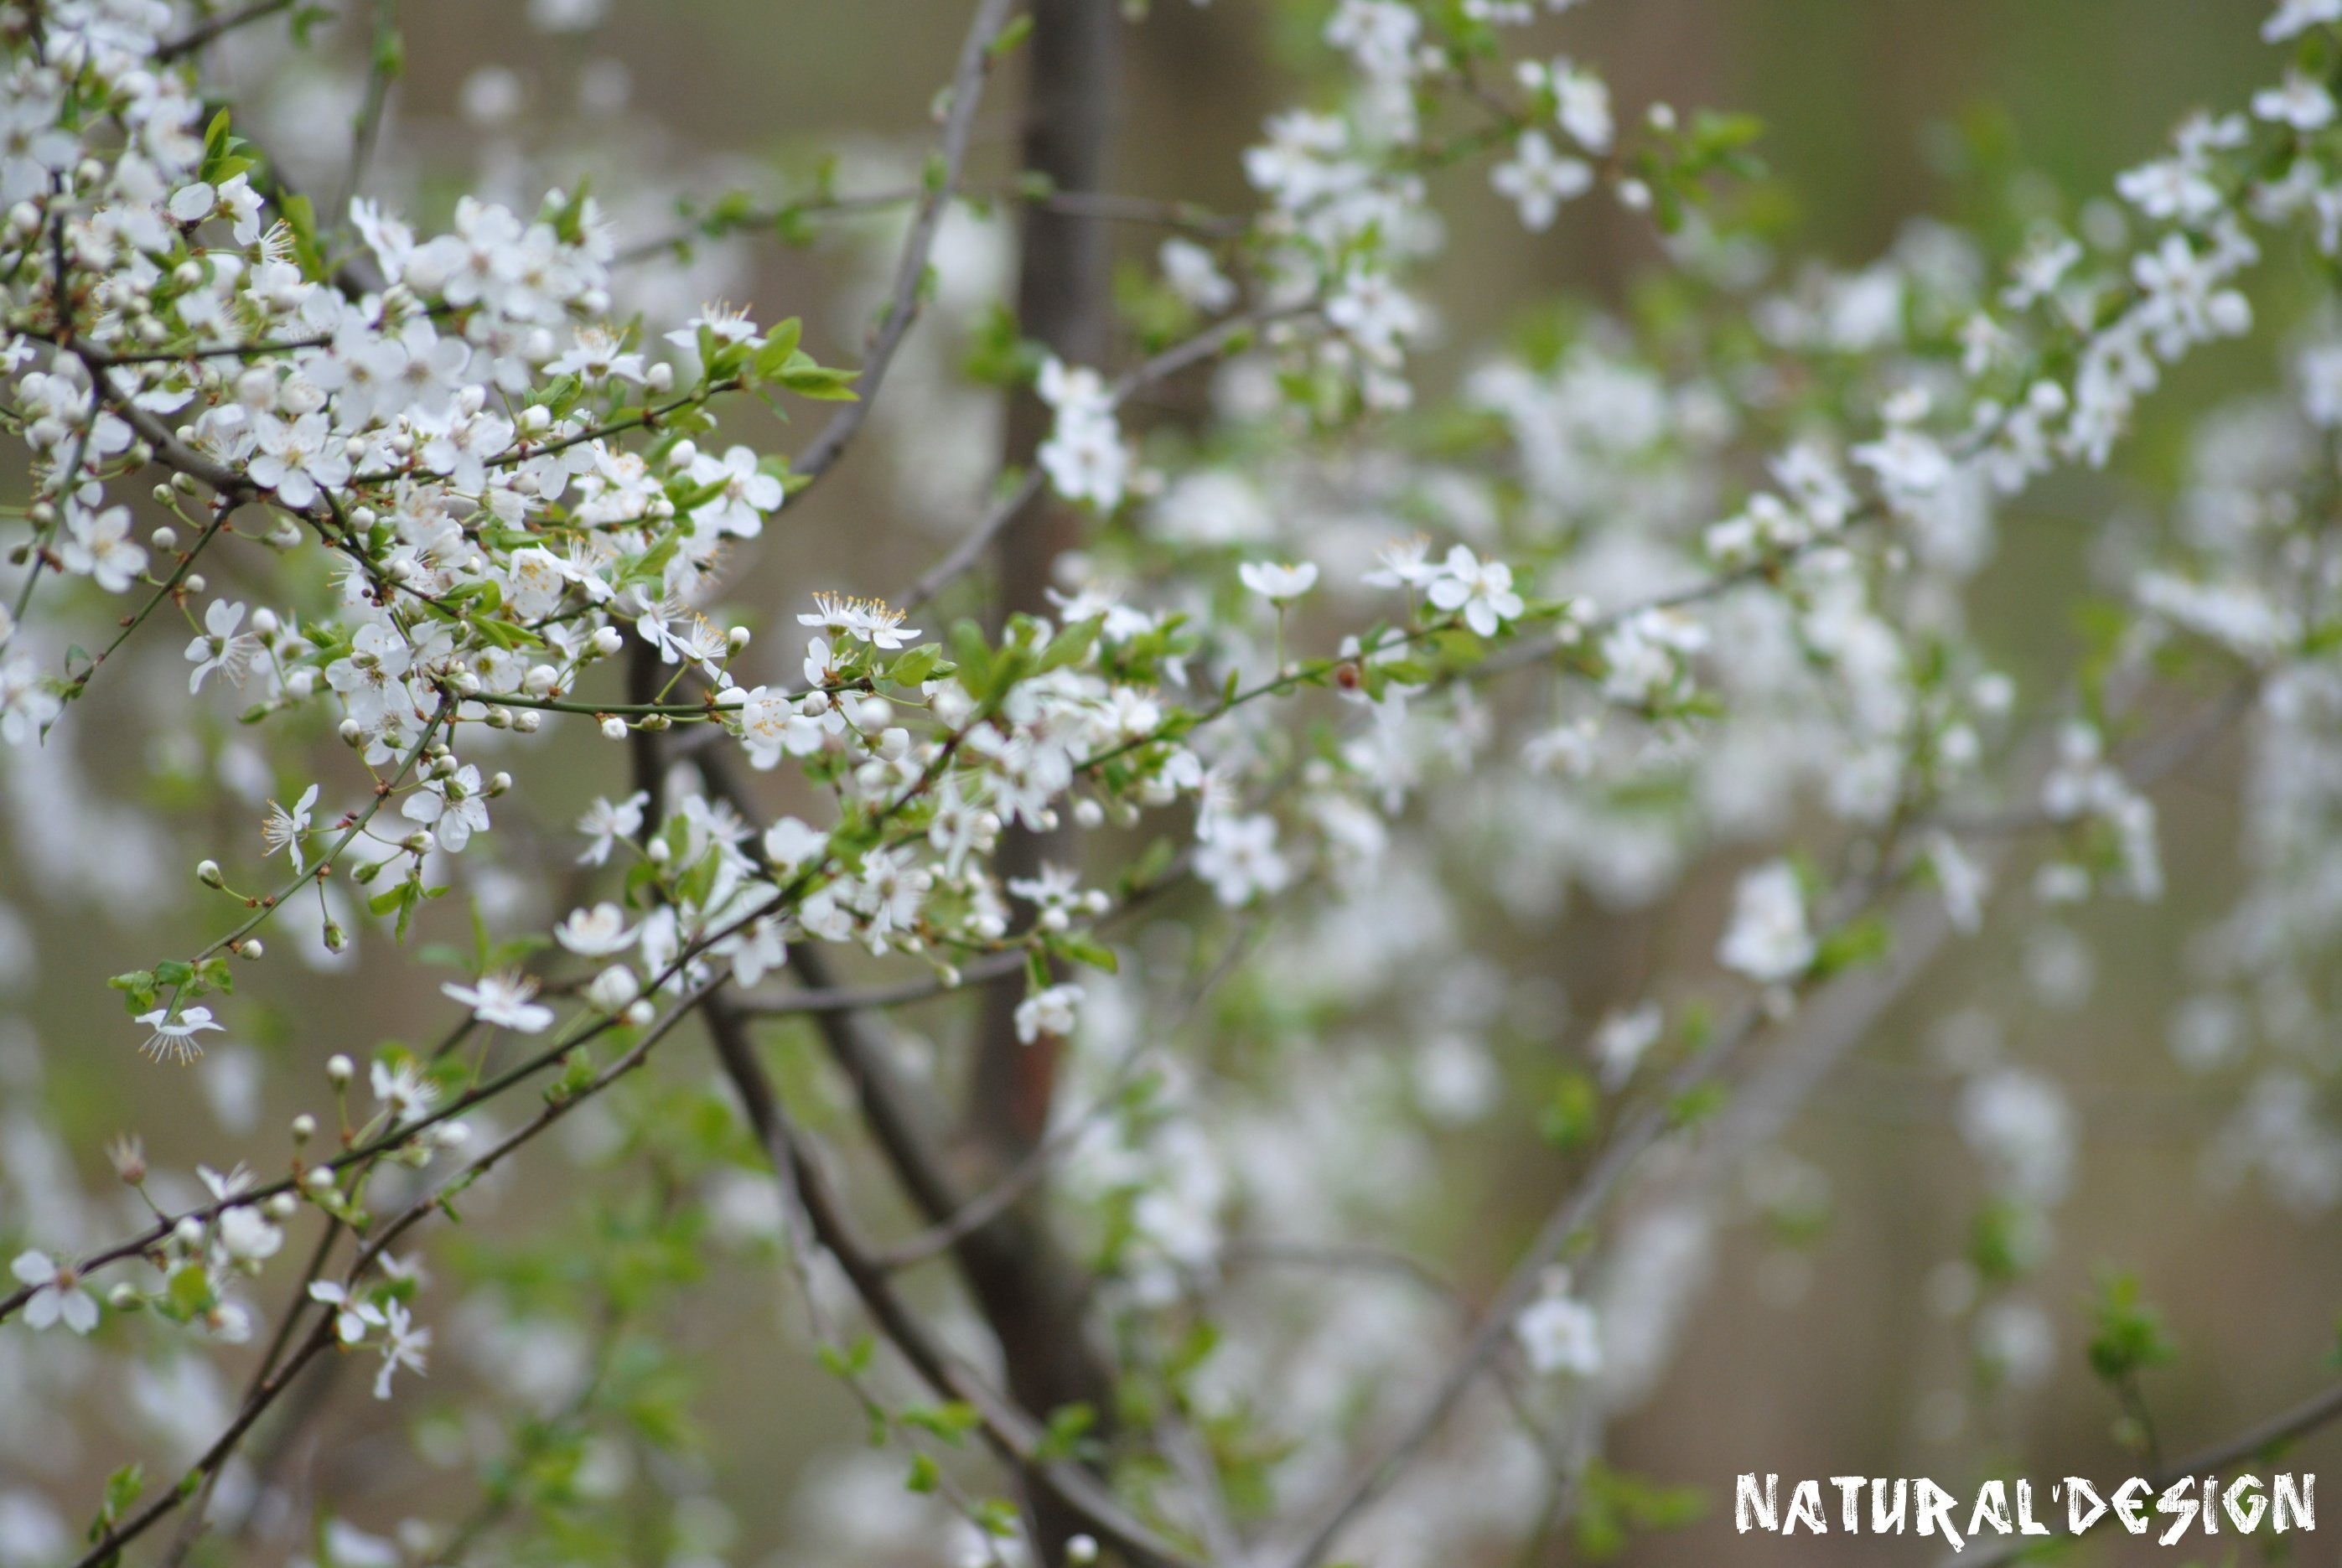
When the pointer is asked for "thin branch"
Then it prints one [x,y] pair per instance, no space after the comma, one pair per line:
[1029,1170]
[267,1392]
[966,91]
[383,67]
[1012,1433]
[1187,217]
[2286,1426]
[197,36]
[973,545]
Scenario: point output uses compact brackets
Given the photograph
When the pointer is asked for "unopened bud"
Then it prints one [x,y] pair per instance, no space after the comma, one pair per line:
[738,638]
[251,948]
[304,1127]
[208,872]
[614,728]
[339,1070]
[614,990]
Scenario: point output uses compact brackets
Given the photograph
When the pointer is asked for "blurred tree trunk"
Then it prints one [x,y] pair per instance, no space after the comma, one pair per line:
[1037,1309]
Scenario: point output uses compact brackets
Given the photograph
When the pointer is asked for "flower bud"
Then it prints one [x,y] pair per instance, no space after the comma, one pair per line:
[641,1012]
[280,1206]
[738,638]
[608,642]
[658,852]
[208,872]
[188,1232]
[683,454]
[540,680]
[614,990]
[123,1297]
[339,1069]
[529,723]
[250,948]
[614,728]
[263,623]
[351,733]
[194,582]
[661,378]
[304,1127]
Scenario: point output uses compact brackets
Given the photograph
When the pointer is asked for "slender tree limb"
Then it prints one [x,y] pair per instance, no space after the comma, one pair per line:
[197,37]
[910,273]
[1010,1432]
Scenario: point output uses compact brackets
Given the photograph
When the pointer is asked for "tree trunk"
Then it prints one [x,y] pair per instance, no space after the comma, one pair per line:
[1063,302]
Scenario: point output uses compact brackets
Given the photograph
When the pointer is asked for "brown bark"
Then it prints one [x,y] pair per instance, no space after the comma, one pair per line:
[1036,1304]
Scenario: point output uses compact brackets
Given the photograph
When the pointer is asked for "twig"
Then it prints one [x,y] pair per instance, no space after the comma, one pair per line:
[910,273]
[195,37]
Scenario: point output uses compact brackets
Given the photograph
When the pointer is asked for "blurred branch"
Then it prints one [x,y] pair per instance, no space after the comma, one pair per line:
[385,64]
[203,33]
[2253,1443]
[910,273]
[1010,1431]
[721,223]
[978,541]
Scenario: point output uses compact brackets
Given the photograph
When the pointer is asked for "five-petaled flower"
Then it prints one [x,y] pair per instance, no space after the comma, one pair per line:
[57,1296]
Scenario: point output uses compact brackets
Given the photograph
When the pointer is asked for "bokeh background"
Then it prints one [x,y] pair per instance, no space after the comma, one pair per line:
[1818,1353]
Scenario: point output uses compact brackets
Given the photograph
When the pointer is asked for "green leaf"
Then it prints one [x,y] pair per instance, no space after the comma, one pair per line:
[124,1487]
[1867,940]
[951,1420]
[2127,1333]
[1072,645]
[1082,950]
[1572,1113]
[973,656]
[780,348]
[914,665]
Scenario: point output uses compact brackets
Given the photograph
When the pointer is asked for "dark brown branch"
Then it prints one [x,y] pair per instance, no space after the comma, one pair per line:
[197,36]
[1010,1432]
